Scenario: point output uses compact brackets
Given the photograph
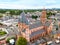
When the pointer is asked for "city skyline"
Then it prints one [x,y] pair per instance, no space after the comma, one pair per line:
[29,4]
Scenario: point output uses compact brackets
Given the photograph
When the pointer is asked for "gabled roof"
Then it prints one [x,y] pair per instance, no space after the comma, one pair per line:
[35,25]
[37,32]
[38,24]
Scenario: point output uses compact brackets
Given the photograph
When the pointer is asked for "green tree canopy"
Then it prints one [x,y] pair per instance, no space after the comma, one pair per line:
[21,41]
[34,17]
[50,13]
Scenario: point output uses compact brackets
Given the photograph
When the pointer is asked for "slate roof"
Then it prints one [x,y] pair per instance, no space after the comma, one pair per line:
[35,25]
[37,32]
[47,23]
[42,41]
[23,18]
[38,24]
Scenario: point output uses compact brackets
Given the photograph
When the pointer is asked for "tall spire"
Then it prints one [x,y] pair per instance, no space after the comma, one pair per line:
[43,16]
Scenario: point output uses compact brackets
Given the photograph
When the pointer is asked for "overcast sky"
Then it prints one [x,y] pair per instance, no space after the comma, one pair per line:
[29,4]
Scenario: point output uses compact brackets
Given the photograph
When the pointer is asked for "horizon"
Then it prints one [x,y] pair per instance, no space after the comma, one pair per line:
[29,4]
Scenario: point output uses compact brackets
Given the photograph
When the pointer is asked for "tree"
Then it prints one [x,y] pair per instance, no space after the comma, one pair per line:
[54,14]
[34,17]
[21,41]
[1,16]
[49,14]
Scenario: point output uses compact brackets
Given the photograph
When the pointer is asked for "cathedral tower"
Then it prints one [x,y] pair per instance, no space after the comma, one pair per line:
[43,16]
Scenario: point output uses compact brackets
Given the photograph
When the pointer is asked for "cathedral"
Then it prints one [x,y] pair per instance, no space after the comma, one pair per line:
[33,31]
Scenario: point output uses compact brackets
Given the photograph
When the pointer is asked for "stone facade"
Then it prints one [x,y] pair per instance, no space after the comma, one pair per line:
[44,29]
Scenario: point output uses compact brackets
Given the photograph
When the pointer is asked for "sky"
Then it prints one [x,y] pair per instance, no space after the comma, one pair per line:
[29,4]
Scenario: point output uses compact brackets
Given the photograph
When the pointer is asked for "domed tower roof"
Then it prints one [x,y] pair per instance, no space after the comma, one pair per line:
[23,18]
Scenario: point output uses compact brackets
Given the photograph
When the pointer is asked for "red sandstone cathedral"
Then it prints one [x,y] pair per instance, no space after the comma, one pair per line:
[33,31]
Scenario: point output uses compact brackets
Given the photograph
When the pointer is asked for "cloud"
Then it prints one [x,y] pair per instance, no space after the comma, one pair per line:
[29,4]
[12,6]
[50,1]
